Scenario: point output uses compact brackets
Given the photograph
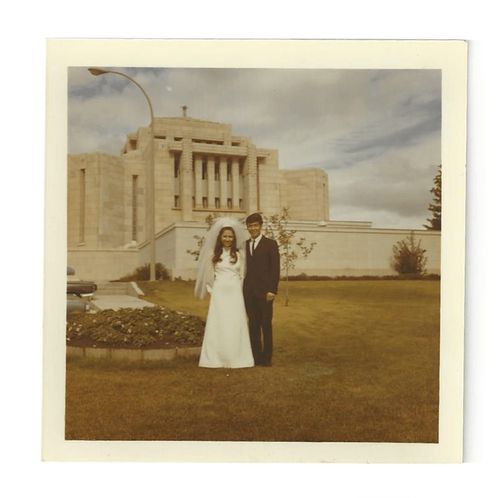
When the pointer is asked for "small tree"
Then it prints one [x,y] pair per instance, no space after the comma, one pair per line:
[435,206]
[209,220]
[276,227]
[408,258]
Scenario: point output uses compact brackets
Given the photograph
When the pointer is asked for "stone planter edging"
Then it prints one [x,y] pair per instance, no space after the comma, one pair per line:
[131,354]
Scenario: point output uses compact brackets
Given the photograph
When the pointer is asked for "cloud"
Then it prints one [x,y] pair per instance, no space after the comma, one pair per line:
[398,184]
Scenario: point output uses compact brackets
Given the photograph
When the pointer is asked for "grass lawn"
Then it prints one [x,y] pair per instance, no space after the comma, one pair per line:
[353,361]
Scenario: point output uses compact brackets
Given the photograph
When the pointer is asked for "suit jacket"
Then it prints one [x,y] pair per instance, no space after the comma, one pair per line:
[263,268]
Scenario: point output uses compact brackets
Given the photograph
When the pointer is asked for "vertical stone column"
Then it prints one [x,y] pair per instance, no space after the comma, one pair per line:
[186,182]
[235,176]
[197,180]
[251,187]
[223,182]
[211,182]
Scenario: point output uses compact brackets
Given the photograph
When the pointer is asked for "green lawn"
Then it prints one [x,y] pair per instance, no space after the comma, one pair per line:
[353,361]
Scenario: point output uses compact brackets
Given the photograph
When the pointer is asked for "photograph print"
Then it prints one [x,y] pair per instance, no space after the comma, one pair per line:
[254,254]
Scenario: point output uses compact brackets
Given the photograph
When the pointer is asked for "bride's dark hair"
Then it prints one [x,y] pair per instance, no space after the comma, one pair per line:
[218,247]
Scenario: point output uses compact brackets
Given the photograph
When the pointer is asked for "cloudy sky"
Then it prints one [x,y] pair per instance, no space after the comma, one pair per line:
[376,132]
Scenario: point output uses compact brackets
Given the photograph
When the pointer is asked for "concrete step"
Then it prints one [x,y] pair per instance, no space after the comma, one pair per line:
[113,288]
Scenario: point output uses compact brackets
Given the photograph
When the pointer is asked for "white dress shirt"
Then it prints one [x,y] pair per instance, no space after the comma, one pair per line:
[256,240]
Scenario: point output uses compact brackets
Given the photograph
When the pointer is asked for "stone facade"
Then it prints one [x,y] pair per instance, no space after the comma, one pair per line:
[200,168]
[309,193]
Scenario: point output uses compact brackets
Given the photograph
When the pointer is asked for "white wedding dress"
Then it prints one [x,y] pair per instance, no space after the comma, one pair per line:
[226,343]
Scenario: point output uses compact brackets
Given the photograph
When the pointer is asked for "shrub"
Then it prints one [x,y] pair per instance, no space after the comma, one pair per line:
[408,258]
[303,277]
[142,273]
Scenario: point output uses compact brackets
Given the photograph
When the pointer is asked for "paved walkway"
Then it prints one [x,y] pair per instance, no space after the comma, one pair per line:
[115,302]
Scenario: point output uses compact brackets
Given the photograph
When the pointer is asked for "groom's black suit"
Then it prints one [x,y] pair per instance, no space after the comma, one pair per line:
[263,274]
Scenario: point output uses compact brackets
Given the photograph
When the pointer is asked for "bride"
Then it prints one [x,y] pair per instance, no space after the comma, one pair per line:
[221,270]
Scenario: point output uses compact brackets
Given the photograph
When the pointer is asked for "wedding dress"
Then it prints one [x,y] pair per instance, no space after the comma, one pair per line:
[226,343]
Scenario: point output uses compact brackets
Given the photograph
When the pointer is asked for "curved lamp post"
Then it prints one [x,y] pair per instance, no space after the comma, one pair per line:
[95,71]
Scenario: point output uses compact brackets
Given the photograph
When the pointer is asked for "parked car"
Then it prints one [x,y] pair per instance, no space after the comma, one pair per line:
[79,287]
[78,293]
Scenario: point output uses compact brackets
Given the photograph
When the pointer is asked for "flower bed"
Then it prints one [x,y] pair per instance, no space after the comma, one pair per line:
[148,328]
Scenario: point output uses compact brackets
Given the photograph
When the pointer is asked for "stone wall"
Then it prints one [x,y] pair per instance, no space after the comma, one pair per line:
[341,249]
[134,182]
[270,182]
[360,251]
[306,194]
[104,264]
[95,201]
[172,246]
[111,228]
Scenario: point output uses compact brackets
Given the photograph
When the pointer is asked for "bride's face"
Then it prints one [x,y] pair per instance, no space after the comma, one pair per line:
[227,238]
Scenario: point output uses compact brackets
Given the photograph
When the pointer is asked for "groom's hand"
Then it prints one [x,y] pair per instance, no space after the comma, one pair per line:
[270,296]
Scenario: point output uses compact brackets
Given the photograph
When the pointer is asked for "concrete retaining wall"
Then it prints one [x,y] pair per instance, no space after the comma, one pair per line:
[340,249]
[132,354]
[104,264]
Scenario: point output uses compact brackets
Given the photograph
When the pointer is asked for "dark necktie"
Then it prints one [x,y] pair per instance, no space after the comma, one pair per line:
[253,246]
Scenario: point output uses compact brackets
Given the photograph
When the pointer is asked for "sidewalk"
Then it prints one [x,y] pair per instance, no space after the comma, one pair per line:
[115,302]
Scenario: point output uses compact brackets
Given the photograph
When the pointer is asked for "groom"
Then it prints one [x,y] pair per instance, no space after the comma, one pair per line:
[260,288]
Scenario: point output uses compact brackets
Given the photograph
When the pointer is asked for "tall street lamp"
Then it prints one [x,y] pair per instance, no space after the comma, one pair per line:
[151,176]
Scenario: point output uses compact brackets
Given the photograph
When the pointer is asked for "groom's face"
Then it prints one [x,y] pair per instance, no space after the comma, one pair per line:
[254,229]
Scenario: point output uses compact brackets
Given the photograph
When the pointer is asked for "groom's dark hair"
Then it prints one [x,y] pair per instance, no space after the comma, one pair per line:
[254,218]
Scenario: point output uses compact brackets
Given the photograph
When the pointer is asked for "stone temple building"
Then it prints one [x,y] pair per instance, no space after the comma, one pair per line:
[201,168]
